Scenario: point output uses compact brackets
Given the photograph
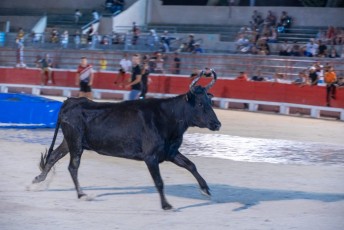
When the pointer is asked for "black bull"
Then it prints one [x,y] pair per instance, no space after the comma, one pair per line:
[149,130]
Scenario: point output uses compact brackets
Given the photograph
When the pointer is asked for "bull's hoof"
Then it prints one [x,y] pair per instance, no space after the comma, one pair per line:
[82,196]
[205,192]
[38,179]
[167,206]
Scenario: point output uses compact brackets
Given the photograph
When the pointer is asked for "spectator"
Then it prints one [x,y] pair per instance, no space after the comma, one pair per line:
[285,49]
[263,48]
[242,44]
[311,48]
[281,78]
[166,40]
[77,39]
[46,70]
[319,69]
[176,64]
[103,63]
[257,76]
[77,16]
[109,4]
[152,39]
[144,81]
[54,36]
[191,43]
[242,76]
[84,78]
[322,49]
[90,34]
[183,47]
[285,22]
[273,37]
[136,32]
[20,34]
[198,49]
[136,77]
[270,19]
[125,66]
[295,50]
[330,80]
[64,39]
[256,19]
[302,79]
[313,76]
[159,63]
[20,51]
[118,7]
[95,15]
[330,34]
[333,53]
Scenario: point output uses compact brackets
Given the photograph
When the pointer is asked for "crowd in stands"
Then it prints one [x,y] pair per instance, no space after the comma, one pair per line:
[255,38]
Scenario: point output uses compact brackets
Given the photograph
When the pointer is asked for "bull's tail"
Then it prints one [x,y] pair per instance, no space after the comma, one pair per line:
[46,155]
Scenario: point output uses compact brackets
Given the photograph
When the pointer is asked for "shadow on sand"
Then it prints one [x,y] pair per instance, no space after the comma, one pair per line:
[221,194]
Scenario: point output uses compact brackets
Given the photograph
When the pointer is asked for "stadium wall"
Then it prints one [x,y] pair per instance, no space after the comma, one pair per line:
[176,84]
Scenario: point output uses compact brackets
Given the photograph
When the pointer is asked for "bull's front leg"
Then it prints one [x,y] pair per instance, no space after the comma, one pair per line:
[180,160]
[153,167]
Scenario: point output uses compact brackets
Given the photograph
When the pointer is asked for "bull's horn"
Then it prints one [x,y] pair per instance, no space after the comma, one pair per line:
[196,80]
[212,81]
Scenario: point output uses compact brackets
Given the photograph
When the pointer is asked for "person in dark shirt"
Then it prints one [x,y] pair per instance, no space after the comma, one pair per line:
[144,80]
[322,49]
[176,64]
[313,76]
[136,77]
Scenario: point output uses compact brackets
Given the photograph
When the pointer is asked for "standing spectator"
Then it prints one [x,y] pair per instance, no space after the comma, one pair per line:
[198,49]
[302,79]
[136,32]
[84,78]
[145,80]
[95,15]
[159,63]
[125,67]
[166,41]
[319,68]
[322,49]
[330,80]
[20,34]
[313,76]
[77,16]
[152,39]
[258,76]
[242,76]
[20,51]
[295,50]
[191,43]
[64,39]
[103,63]
[270,19]
[46,70]
[54,36]
[136,76]
[176,64]
[77,39]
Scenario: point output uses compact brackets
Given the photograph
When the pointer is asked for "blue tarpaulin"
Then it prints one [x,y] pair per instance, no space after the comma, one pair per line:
[28,111]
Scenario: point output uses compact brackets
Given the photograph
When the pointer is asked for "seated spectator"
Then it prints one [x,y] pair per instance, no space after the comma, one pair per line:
[339,37]
[242,76]
[105,40]
[295,49]
[281,78]
[333,53]
[159,63]
[102,63]
[270,19]
[340,82]
[330,34]
[257,76]
[198,49]
[152,39]
[302,79]
[254,50]
[256,19]
[242,44]
[54,36]
[322,49]
[183,47]
[285,22]
[263,48]
[273,37]
[285,49]
[310,50]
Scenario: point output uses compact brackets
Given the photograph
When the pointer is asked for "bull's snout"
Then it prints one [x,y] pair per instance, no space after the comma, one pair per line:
[215,126]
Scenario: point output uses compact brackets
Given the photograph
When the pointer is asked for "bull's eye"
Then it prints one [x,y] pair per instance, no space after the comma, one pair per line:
[200,104]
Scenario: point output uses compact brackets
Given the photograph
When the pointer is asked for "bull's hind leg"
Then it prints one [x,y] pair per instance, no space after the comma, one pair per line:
[49,161]
[75,156]
[184,162]
[154,170]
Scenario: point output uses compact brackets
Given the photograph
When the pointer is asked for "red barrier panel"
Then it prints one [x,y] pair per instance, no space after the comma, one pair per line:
[264,91]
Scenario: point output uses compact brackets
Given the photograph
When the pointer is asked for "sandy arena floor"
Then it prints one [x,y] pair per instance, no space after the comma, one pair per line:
[245,195]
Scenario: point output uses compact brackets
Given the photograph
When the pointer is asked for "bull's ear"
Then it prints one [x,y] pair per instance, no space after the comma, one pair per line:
[210,95]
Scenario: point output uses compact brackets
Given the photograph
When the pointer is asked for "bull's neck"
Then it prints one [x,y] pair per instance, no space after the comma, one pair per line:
[177,113]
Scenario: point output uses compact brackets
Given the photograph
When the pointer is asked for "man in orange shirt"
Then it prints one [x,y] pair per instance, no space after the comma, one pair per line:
[242,76]
[330,80]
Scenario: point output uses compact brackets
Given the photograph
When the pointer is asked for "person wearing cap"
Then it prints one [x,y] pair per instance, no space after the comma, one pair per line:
[313,76]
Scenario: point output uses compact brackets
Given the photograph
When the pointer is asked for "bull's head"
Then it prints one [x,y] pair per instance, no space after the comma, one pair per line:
[199,99]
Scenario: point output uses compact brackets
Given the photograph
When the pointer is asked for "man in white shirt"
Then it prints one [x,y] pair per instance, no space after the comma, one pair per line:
[311,48]
[125,67]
